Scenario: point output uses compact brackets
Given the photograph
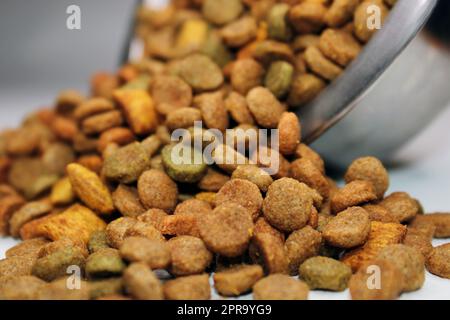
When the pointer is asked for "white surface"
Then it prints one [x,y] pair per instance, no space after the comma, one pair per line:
[424,172]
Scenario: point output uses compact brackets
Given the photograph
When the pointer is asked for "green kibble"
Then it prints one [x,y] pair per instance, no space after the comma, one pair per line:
[221,12]
[279,78]
[325,273]
[127,163]
[217,50]
[107,287]
[140,83]
[56,264]
[104,263]
[98,241]
[279,28]
[201,72]
[189,170]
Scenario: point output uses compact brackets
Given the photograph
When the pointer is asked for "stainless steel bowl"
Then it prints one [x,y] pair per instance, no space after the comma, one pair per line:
[396,87]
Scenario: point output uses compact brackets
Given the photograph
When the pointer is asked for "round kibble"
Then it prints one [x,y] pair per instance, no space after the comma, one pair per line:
[170,93]
[253,174]
[185,165]
[265,107]
[222,11]
[438,261]
[142,283]
[280,287]
[246,74]
[237,280]
[157,191]
[189,255]
[401,206]
[279,78]
[201,73]
[155,254]
[353,194]
[188,288]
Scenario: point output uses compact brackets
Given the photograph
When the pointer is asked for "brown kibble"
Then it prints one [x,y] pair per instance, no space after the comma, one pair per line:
[305,152]
[308,16]
[170,93]
[62,244]
[180,225]
[289,133]
[227,230]
[119,136]
[409,261]
[246,74]
[391,280]
[221,11]
[236,104]
[418,240]
[213,180]
[305,171]
[239,32]
[242,192]
[21,288]
[302,42]
[155,217]
[339,46]
[438,262]
[189,256]
[188,288]
[321,65]
[84,144]
[17,266]
[64,128]
[92,107]
[62,192]
[8,207]
[369,169]
[193,207]
[142,283]
[126,200]
[145,230]
[209,197]
[401,205]
[22,142]
[27,248]
[287,206]
[253,174]
[381,235]
[262,226]
[103,85]
[353,194]
[90,189]
[92,162]
[27,213]
[265,107]
[350,228]
[301,245]
[379,213]
[340,12]
[237,280]
[280,287]
[213,110]
[440,222]
[155,254]
[137,105]
[116,230]
[67,101]
[157,190]
[361,16]
[183,118]
[268,250]
[101,122]
[305,87]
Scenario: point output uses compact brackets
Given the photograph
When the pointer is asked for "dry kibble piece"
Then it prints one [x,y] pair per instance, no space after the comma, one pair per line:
[146,230]
[103,288]
[278,25]
[418,240]
[246,74]
[104,263]
[402,206]
[97,241]
[193,207]
[227,158]
[239,32]
[8,207]
[155,254]
[213,180]
[170,93]
[305,87]
[301,245]
[321,65]
[391,280]
[67,101]
[379,213]
[92,107]
[289,133]
[141,283]
[236,104]
[209,197]
[440,222]
[279,78]
[304,41]
[120,136]
[103,85]
[287,206]
[381,235]
[56,264]
[339,46]
[21,288]
[157,191]
[17,266]
[26,248]
[27,213]
[90,189]
[350,228]
[183,118]
[262,226]
[64,128]
[268,51]
[62,244]
[305,152]
[201,73]
[126,200]
[116,230]
[268,250]
[102,122]
[369,169]
[151,145]
[62,192]
[409,261]
[325,273]
[353,194]
[237,280]
[253,174]
[227,230]
[185,165]
[340,12]
[180,225]
[212,107]
[126,164]
[308,16]
[22,143]
[265,107]
[280,287]
[58,290]
[188,288]
[138,108]
[189,255]
[242,192]
[221,12]
[305,171]
[438,261]
[362,14]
